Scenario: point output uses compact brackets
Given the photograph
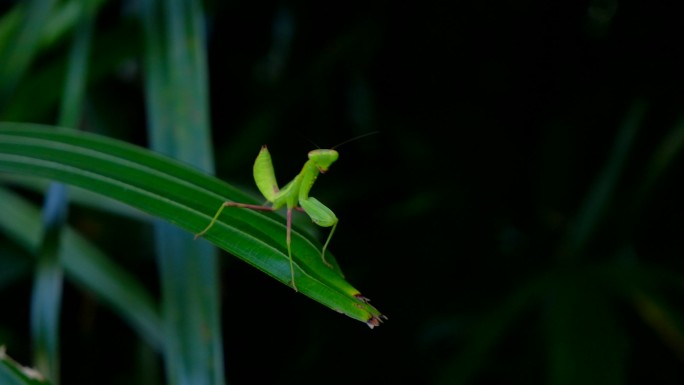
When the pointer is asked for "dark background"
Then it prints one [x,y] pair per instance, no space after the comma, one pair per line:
[495,120]
[460,218]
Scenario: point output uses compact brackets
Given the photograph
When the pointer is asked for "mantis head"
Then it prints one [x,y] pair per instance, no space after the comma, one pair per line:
[323,158]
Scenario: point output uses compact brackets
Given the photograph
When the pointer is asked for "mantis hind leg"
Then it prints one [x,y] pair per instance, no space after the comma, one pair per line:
[289,248]
[259,208]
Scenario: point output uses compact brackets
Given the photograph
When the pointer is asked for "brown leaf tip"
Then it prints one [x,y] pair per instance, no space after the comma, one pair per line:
[376,321]
[361,298]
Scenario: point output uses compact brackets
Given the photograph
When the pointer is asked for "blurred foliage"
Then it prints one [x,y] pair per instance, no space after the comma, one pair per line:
[517,217]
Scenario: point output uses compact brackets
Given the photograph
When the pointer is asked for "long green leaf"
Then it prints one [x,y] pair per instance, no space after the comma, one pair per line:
[87,267]
[47,291]
[176,101]
[183,196]
[46,296]
[603,188]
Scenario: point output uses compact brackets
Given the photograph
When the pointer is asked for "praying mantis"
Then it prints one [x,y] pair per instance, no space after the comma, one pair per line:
[294,195]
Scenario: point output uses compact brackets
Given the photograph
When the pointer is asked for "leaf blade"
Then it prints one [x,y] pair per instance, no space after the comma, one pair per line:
[180,195]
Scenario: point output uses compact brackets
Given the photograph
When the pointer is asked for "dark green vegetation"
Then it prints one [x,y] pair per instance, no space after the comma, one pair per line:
[518,217]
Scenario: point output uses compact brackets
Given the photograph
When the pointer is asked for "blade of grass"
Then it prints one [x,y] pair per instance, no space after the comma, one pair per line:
[12,373]
[74,85]
[63,16]
[175,90]
[664,318]
[660,163]
[87,267]
[23,45]
[47,291]
[46,296]
[597,200]
[647,288]
[38,94]
[77,196]
[183,196]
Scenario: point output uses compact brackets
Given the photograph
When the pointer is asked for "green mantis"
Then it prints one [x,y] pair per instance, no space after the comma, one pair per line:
[294,196]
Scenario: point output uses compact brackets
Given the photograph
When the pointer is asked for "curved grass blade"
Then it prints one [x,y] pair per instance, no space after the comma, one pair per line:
[12,373]
[177,113]
[87,267]
[183,196]
[46,296]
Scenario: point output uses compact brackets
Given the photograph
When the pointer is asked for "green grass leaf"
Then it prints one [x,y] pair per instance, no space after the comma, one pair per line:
[182,196]
[85,266]
[12,373]
[177,113]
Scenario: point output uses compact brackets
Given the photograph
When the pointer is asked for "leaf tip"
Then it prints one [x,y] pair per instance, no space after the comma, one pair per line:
[361,298]
[376,321]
